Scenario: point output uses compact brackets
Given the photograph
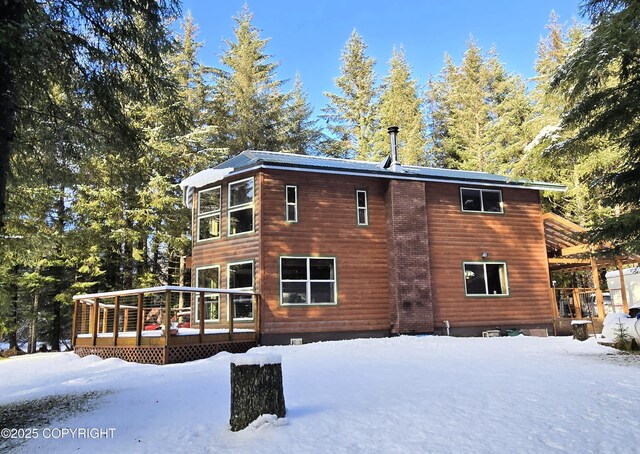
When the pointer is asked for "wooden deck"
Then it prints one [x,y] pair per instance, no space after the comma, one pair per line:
[132,324]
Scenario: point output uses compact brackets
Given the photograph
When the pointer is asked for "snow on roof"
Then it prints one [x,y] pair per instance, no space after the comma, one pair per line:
[254,159]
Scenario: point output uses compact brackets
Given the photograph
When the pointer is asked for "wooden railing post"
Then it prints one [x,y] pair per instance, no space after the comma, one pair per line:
[201,313]
[139,319]
[84,329]
[116,319]
[94,321]
[232,315]
[74,328]
[167,316]
[596,284]
[255,300]
[623,288]
[576,304]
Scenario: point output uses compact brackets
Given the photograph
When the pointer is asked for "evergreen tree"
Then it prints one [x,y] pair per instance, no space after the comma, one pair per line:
[477,110]
[601,82]
[400,105]
[250,103]
[351,113]
[80,49]
[301,133]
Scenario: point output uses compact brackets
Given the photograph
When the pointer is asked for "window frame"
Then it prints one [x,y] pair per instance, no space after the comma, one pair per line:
[365,208]
[217,296]
[482,210]
[308,281]
[244,206]
[486,282]
[288,203]
[209,214]
[252,288]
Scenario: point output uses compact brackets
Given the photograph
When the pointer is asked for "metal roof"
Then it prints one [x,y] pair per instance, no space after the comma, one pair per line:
[253,159]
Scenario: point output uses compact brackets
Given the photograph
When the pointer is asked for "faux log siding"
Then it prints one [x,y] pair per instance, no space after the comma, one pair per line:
[327,227]
[515,237]
[225,250]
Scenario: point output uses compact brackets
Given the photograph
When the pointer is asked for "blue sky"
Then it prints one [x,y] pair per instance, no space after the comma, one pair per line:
[308,36]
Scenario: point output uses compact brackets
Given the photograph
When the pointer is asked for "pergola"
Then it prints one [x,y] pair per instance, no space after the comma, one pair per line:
[566,252]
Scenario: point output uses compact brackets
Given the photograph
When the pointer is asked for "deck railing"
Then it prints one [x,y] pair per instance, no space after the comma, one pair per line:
[164,316]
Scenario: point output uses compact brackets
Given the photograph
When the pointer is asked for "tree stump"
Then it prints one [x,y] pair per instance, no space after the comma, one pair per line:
[580,329]
[256,389]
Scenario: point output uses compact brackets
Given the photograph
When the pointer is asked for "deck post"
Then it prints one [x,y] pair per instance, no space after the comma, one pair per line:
[576,304]
[94,321]
[256,314]
[139,319]
[623,287]
[105,319]
[74,328]
[116,319]
[125,320]
[201,312]
[167,316]
[596,284]
[83,322]
[232,315]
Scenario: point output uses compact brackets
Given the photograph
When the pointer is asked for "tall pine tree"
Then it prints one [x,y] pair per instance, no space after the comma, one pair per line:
[351,113]
[400,105]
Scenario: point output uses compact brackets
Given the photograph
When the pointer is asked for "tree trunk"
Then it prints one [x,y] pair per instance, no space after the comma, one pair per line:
[11,14]
[15,310]
[33,332]
[256,389]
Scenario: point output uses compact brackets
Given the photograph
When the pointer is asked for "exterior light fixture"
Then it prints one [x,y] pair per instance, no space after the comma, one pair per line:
[485,254]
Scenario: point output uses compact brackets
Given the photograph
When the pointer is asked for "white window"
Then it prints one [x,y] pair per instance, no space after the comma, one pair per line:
[209,277]
[240,277]
[481,200]
[485,279]
[291,203]
[363,208]
[209,214]
[307,280]
[241,206]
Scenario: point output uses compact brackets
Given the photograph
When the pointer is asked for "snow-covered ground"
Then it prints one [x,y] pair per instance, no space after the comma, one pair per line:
[406,394]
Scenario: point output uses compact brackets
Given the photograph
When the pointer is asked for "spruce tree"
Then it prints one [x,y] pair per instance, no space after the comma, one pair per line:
[301,133]
[249,99]
[351,113]
[477,111]
[601,82]
[400,105]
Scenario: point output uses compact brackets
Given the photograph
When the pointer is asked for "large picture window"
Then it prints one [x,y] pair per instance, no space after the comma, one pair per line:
[481,200]
[307,280]
[240,277]
[362,206]
[209,214]
[485,278]
[209,277]
[240,214]
[291,204]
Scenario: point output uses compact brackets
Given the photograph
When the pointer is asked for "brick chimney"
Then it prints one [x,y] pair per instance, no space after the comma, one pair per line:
[410,299]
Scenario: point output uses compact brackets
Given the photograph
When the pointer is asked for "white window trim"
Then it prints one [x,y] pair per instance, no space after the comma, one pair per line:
[288,203]
[208,214]
[481,201]
[486,281]
[253,285]
[365,207]
[231,209]
[309,281]
[196,310]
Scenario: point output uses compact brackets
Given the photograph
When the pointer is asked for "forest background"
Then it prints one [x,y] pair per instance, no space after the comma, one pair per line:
[105,108]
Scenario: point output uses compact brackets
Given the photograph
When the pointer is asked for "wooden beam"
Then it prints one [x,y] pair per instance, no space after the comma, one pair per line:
[105,320]
[139,319]
[596,284]
[255,299]
[74,328]
[232,315]
[567,260]
[623,288]
[116,319]
[95,309]
[167,316]
[578,249]
[201,312]
[576,304]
